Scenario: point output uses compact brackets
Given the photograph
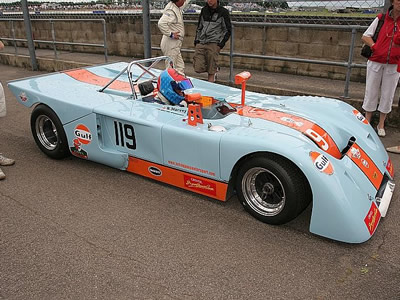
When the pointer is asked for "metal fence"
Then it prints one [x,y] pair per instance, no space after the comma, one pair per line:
[14,40]
[337,12]
[352,16]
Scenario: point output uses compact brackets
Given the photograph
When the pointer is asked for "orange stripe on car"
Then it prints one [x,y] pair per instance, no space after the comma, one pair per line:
[308,128]
[184,180]
[365,163]
[86,76]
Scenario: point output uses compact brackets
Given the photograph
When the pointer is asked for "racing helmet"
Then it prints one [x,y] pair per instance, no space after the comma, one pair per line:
[171,85]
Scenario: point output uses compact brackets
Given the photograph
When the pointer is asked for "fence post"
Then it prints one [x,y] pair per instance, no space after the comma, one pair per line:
[53,36]
[105,40]
[349,62]
[28,29]
[13,36]
[146,28]
[231,55]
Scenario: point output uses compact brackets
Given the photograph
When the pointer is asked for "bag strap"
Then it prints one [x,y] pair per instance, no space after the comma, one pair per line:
[378,27]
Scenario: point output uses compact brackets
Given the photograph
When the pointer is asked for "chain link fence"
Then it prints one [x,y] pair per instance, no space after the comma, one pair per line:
[357,12]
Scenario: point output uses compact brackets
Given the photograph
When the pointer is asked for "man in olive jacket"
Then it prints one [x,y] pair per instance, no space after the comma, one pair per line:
[213,31]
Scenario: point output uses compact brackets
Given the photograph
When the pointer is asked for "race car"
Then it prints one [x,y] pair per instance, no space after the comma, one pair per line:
[278,154]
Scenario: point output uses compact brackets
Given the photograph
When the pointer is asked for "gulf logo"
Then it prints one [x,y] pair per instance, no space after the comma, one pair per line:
[359,116]
[321,162]
[83,134]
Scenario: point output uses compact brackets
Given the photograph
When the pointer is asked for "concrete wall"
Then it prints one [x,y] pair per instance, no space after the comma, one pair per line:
[125,38]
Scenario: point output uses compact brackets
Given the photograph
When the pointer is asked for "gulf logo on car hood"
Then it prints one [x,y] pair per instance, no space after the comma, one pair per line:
[83,134]
[359,116]
[321,162]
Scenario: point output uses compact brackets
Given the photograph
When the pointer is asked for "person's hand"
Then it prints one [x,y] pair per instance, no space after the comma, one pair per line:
[176,35]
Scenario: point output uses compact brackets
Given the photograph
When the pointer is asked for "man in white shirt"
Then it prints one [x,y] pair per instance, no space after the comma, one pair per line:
[173,30]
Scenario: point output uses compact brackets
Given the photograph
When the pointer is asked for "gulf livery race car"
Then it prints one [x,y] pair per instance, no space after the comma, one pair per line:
[277,153]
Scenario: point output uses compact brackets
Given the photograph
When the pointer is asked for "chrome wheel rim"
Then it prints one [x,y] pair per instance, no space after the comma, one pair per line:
[263,191]
[46,132]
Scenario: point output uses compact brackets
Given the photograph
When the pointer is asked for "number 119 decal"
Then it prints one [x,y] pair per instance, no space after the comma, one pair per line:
[124,135]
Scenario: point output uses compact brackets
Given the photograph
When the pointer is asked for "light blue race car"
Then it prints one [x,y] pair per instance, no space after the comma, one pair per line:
[276,153]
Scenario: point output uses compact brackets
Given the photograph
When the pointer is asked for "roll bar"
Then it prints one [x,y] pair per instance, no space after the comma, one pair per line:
[146,65]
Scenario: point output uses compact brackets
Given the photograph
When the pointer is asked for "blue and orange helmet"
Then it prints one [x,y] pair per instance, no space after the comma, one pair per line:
[171,85]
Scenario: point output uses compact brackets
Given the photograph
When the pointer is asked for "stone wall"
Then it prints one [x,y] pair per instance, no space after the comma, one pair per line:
[125,38]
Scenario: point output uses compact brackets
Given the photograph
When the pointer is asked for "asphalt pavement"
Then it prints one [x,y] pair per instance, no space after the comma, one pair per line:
[74,229]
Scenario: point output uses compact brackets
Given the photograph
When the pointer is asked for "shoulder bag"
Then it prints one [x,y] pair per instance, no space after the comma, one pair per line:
[366,50]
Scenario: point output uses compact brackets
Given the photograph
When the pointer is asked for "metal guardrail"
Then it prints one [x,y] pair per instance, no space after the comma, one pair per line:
[232,54]
[53,35]
[347,64]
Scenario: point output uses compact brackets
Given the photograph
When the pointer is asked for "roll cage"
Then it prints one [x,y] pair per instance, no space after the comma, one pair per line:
[146,65]
[214,109]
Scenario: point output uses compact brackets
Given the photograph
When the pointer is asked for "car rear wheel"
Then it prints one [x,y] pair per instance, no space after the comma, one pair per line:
[48,132]
[272,189]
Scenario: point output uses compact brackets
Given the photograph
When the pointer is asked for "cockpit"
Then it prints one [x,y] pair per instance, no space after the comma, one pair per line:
[169,88]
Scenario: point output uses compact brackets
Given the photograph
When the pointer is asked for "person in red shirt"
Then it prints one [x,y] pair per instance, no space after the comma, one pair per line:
[382,72]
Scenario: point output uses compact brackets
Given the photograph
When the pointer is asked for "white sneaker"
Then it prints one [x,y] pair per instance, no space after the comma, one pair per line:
[381,131]
[4,161]
[394,149]
[2,175]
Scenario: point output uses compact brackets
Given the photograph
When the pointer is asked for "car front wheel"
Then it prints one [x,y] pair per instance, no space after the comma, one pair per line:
[272,189]
[48,132]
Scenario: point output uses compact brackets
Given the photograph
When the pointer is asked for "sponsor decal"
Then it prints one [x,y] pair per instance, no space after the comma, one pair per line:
[200,185]
[372,218]
[83,134]
[359,116]
[154,171]
[182,111]
[23,97]
[182,179]
[77,150]
[181,165]
[364,162]
[389,167]
[321,162]
[292,122]
[355,153]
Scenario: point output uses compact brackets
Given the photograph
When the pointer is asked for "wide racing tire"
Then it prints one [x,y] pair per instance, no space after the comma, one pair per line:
[48,132]
[272,189]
